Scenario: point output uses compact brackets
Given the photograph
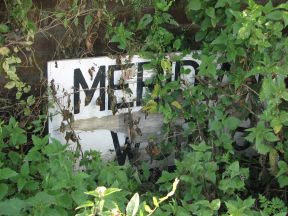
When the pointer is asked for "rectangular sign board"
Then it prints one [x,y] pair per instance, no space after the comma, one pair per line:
[94,95]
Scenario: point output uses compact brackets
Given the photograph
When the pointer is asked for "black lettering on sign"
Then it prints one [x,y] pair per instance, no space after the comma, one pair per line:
[127,151]
[183,63]
[140,84]
[89,93]
[113,87]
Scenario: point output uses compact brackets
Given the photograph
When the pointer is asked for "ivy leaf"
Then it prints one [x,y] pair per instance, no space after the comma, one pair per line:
[133,205]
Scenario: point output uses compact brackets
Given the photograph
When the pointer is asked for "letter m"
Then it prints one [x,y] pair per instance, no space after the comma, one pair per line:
[89,93]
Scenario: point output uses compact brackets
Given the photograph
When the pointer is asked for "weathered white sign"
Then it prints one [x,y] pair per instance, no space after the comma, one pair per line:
[94,95]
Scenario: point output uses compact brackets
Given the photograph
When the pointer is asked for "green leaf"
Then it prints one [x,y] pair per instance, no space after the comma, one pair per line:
[177,44]
[221,3]
[283,181]
[194,5]
[87,21]
[276,124]
[30,100]
[271,137]
[12,207]
[133,205]
[215,204]
[4,28]
[3,190]
[10,85]
[42,199]
[163,5]
[111,190]
[7,173]
[86,204]
[21,182]
[234,169]
[144,21]
[274,15]
[210,12]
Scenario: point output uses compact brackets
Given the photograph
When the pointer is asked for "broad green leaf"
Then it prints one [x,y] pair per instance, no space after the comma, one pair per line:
[12,207]
[215,204]
[221,3]
[4,28]
[210,12]
[234,169]
[145,20]
[275,15]
[177,44]
[42,199]
[7,173]
[283,181]
[10,84]
[3,190]
[21,182]
[133,205]
[271,137]
[276,125]
[194,5]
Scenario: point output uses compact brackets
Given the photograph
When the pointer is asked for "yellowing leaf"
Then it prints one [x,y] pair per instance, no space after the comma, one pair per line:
[147,208]
[155,202]
[4,51]
[276,125]
[177,104]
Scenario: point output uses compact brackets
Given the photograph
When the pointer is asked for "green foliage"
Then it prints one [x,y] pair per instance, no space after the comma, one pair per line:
[37,178]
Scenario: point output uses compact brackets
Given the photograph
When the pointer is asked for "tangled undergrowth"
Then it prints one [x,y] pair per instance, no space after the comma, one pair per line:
[242,78]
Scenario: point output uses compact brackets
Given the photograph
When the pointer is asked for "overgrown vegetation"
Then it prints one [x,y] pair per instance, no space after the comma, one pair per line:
[242,75]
